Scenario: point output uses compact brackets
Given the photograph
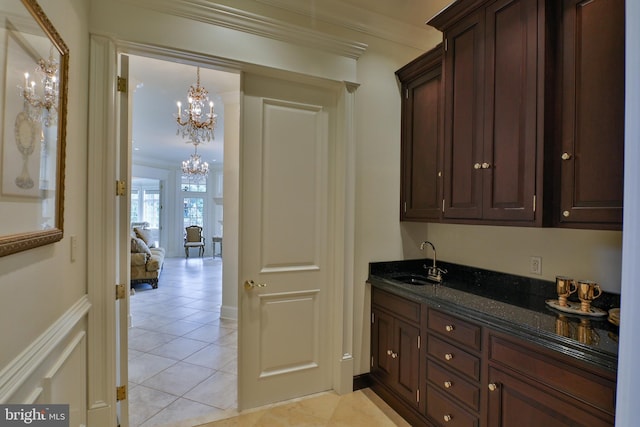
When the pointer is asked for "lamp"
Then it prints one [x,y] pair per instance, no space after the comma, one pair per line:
[50,85]
[193,122]
[195,167]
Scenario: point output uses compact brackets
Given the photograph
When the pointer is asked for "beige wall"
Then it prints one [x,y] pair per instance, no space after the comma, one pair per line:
[43,309]
[39,285]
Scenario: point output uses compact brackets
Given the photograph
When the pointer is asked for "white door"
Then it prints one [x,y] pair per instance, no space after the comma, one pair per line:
[123,272]
[285,269]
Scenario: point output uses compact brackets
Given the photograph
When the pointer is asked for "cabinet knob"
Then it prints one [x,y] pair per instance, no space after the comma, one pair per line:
[566,156]
[486,165]
[449,328]
[448,356]
[493,387]
[477,166]
[389,352]
[566,214]
[447,384]
[394,355]
[447,418]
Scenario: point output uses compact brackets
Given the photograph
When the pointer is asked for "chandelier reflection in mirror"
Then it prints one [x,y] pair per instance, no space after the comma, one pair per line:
[195,168]
[193,123]
[36,104]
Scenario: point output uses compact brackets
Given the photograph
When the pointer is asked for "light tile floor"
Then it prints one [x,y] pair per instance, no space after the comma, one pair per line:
[183,362]
[182,356]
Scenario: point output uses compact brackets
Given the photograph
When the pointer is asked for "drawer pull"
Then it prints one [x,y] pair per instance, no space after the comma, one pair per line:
[448,384]
[394,355]
[449,328]
[448,356]
[493,387]
[447,418]
[389,352]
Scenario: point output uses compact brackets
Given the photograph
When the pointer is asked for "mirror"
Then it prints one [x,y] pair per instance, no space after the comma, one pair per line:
[34,63]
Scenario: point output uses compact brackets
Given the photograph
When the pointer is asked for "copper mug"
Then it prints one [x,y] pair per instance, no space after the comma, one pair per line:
[587,292]
[565,286]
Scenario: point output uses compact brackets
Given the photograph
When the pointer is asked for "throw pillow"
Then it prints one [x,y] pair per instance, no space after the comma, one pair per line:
[138,245]
[143,234]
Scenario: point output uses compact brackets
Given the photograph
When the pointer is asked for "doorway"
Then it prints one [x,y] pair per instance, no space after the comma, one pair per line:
[183,344]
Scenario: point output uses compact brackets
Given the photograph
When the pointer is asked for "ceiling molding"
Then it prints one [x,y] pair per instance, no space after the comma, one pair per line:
[239,20]
[370,23]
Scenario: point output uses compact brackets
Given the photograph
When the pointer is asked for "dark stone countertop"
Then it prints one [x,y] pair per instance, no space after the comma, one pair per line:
[508,303]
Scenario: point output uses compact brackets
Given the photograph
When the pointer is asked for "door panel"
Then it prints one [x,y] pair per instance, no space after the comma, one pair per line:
[463,119]
[284,336]
[510,130]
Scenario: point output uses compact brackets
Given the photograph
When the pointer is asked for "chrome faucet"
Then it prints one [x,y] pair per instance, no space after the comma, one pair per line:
[433,273]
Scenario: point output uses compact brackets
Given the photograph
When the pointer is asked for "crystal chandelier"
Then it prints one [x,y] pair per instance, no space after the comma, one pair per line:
[35,103]
[195,167]
[193,123]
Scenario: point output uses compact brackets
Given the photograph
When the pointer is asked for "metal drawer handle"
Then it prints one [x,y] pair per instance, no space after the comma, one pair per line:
[493,387]
[448,384]
[447,418]
[448,356]
[449,328]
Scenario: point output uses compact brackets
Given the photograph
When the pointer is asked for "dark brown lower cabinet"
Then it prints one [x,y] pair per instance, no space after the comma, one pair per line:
[514,401]
[529,385]
[395,343]
[437,369]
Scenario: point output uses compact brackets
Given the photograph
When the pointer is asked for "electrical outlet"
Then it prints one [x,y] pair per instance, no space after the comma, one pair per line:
[535,265]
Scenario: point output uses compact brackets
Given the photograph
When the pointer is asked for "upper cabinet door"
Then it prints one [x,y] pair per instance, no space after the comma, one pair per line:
[421,164]
[463,130]
[592,143]
[509,157]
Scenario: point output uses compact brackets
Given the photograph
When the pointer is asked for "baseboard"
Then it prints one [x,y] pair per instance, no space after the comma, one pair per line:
[361,381]
[228,312]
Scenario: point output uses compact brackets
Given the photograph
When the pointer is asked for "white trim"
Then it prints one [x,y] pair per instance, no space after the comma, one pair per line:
[47,380]
[340,13]
[101,234]
[250,23]
[18,371]
[229,313]
[344,238]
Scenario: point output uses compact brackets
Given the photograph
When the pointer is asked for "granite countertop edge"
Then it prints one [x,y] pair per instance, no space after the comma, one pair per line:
[482,312]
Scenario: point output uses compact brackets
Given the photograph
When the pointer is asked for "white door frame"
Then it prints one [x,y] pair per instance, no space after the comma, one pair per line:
[102,225]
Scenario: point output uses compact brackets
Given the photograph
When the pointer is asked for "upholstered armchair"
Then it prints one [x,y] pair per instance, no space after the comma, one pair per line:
[193,238]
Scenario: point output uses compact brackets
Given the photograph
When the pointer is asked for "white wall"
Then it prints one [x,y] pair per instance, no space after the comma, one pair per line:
[44,305]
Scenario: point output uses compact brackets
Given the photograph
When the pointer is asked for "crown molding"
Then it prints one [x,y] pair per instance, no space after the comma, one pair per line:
[247,22]
[367,22]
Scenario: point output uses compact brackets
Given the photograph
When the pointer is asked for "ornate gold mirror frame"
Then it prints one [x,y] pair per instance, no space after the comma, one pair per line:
[34,65]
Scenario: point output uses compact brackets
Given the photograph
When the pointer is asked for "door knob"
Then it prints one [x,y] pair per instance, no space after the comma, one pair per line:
[250,284]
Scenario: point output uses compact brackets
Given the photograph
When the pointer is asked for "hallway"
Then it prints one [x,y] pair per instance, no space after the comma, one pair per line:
[182,356]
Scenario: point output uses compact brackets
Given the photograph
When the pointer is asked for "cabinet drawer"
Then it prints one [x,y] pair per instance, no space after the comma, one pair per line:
[452,385]
[562,373]
[400,307]
[453,357]
[446,413]
[455,329]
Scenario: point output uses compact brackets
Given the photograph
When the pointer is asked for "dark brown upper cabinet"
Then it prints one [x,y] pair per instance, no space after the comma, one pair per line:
[590,158]
[494,117]
[421,150]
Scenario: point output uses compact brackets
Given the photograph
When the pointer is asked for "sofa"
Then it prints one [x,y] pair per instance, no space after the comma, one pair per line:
[146,258]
